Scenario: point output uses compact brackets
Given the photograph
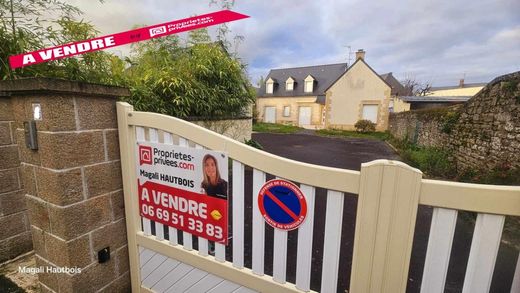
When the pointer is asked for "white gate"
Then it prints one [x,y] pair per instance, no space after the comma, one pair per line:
[388,194]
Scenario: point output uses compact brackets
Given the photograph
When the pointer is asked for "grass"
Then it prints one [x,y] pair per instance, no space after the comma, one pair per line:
[353,134]
[275,128]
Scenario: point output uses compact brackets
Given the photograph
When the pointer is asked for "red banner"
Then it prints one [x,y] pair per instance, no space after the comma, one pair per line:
[109,41]
[199,214]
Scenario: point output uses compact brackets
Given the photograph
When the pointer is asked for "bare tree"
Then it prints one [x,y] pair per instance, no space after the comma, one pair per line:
[416,87]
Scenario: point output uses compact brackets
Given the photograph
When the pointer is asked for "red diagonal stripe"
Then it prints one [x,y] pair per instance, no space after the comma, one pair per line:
[281,204]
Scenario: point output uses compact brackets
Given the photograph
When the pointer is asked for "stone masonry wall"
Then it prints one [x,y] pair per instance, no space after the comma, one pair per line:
[428,127]
[485,132]
[73,182]
[15,231]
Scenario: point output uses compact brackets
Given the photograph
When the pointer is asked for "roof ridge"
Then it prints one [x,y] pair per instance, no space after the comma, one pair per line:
[309,66]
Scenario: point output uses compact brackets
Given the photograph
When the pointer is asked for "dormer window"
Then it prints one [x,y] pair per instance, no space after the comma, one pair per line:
[289,84]
[269,86]
[309,84]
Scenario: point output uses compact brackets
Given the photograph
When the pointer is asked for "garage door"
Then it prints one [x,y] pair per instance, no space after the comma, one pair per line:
[370,113]
[304,116]
[270,115]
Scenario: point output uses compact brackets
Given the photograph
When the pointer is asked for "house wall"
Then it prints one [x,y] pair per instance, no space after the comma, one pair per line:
[345,98]
[466,91]
[294,103]
[400,105]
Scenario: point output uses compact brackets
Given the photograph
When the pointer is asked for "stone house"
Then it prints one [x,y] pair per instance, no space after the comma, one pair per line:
[326,96]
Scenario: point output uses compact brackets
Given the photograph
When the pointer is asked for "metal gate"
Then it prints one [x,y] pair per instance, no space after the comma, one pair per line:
[388,195]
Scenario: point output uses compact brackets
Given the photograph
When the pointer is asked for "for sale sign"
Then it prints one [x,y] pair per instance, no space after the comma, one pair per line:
[184,188]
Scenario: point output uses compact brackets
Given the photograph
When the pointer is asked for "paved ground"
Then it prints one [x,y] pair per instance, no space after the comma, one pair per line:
[346,153]
[350,153]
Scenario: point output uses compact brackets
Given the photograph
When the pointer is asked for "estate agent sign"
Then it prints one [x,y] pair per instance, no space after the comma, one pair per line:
[184,188]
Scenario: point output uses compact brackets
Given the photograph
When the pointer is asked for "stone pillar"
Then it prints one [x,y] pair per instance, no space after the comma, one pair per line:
[15,232]
[73,182]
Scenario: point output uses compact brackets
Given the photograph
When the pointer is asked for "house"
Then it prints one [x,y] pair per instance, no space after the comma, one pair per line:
[437,97]
[325,96]
[463,89]
[426,102]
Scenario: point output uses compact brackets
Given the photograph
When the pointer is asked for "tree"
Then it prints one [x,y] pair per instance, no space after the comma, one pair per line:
[199,80]
[29,25]
[416,87]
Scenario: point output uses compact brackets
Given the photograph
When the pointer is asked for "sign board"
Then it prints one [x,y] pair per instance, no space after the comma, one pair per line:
[184,188]
[282,204]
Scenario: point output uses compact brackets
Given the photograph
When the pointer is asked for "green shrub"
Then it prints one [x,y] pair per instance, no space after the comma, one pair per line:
[365,126]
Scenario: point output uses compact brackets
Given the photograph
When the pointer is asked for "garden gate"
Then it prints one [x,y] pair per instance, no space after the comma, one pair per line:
[388,192]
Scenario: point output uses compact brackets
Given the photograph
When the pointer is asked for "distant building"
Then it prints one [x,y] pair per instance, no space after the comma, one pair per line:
[437,97]
[327,96]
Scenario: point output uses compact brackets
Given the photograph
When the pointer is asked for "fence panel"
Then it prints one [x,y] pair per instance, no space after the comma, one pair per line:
[388,196]
[439,249]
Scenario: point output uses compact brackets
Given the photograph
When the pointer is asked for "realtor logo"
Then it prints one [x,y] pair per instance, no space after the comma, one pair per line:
[157,31]
[145,155]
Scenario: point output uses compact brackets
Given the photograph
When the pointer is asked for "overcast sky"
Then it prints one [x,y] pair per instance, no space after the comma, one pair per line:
[439,41]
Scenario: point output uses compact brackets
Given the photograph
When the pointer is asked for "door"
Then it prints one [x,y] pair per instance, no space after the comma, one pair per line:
[304,116]
[270,115]
[370,113]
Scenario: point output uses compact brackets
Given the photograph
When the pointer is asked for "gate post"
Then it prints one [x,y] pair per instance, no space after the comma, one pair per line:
[386,214]
[66,133]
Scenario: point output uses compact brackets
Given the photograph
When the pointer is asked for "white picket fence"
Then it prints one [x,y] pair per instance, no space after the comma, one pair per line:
[389,194]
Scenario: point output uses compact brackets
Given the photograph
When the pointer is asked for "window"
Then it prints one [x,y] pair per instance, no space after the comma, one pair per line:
[289,84]
[269,89]
[308,86]
[269,86]
[286,111]
[391,107]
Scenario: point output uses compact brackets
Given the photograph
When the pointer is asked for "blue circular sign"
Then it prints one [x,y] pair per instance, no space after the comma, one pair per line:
[282,204]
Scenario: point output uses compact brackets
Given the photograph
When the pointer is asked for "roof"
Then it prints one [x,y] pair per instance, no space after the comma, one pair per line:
[435,99]
[466,85]
[397,88]
[324,75]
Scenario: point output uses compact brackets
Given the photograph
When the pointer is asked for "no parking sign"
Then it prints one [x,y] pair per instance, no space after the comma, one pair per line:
[282,204]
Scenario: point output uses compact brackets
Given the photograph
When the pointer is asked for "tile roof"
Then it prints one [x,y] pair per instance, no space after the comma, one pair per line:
[325,76]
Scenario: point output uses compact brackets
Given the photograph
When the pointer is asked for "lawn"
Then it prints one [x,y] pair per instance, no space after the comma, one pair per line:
[275,128]
[353,134]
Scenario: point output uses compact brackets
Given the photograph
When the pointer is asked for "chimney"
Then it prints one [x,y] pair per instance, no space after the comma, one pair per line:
[461,83]
[360,54]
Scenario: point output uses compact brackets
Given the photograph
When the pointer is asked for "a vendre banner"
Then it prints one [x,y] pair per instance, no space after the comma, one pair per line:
[184,188]
[109,41]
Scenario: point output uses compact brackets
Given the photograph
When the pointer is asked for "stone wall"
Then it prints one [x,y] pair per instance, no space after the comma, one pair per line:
[15,231]
[238,129]
[72,183]
[487,134]
[482,134]
[428,127]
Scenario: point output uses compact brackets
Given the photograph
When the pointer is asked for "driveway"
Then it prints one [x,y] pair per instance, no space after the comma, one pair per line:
[348,153]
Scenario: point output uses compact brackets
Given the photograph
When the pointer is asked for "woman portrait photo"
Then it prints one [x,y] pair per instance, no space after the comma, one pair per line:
[212,184]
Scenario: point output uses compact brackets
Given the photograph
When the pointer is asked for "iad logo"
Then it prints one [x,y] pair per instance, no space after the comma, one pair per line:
[145,155]
[157,31]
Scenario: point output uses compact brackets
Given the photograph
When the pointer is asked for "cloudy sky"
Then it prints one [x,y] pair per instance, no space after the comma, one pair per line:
[439,41]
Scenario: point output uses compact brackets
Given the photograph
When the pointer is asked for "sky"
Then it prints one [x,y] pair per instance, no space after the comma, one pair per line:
[436,41]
